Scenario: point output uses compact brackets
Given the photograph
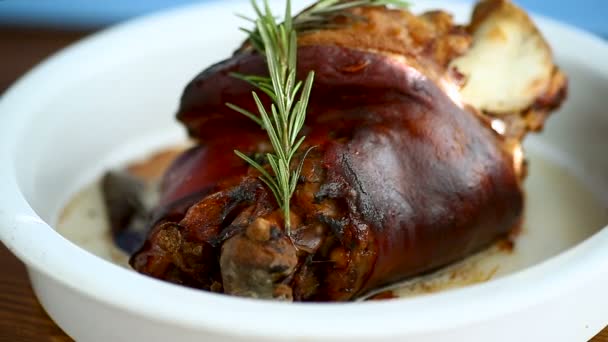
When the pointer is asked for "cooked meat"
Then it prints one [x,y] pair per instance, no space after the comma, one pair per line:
[415,163]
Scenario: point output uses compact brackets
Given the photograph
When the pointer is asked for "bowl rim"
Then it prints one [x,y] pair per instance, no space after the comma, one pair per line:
[29,237]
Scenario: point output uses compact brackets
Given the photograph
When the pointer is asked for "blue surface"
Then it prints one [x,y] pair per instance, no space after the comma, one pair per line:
[591,15]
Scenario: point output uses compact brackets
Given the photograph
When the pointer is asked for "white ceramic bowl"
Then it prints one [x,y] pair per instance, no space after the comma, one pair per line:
[112,96]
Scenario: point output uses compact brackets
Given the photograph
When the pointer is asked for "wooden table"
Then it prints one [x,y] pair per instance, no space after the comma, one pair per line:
[21,317]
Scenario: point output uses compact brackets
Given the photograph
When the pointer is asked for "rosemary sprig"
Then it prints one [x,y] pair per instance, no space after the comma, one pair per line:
[284,121]
[320,15]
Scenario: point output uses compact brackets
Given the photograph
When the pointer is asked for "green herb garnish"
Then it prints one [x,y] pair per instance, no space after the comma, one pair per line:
[285,119]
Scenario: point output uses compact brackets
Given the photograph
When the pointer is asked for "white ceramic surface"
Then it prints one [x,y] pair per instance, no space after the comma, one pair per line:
[111,97]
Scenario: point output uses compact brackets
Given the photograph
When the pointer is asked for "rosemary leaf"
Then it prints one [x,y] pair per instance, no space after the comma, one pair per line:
[246,113]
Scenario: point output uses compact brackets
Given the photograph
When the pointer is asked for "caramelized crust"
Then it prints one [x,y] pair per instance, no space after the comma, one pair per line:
[430,39]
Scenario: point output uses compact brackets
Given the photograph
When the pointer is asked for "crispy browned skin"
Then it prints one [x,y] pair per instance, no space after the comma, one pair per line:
[426,43]
[402,179]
